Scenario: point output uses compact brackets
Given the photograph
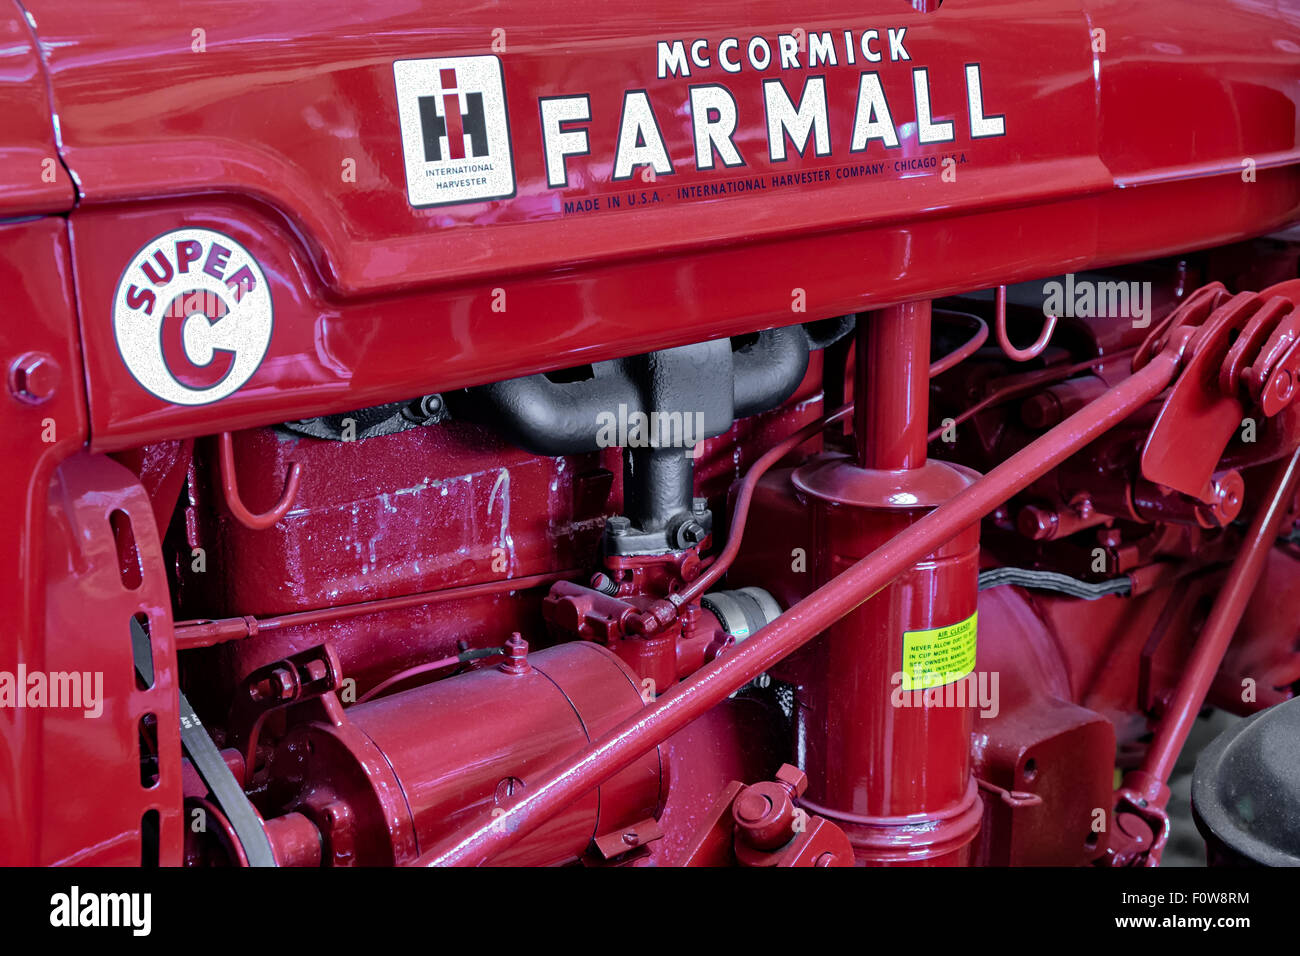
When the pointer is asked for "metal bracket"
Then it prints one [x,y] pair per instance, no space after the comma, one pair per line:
[299,677]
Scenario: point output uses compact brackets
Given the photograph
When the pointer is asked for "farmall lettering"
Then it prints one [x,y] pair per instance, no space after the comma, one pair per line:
[796,108]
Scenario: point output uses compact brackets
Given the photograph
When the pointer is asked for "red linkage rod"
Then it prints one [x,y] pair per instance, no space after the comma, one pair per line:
[191,634]
[1229,606]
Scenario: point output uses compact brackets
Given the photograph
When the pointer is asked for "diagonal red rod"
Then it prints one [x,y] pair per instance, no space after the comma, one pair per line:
[1229,606]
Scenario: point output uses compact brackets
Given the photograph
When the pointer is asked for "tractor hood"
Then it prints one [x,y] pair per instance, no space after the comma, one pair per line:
[423,196]
[424,141]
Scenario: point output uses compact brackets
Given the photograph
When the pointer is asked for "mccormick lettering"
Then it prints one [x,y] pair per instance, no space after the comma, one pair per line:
[824,49]
[796,112]
[456,138]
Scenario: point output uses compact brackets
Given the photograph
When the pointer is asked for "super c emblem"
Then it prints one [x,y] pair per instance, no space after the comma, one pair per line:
[192,316]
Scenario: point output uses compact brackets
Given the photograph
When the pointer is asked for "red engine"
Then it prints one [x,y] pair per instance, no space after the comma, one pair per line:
[866,440]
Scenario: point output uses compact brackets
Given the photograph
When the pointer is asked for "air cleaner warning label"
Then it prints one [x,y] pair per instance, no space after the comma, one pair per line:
[455,130]
[938,656]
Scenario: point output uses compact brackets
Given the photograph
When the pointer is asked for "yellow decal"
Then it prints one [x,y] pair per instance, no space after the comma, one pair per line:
[938,656]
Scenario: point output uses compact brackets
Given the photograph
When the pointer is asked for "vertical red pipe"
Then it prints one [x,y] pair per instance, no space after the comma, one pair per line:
[895,778]
[892,386]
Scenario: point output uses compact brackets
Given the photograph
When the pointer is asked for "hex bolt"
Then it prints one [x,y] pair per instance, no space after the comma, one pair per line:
[618,525]
[34,377]
[284,683]
[691,532]
[699,505]
[280,684]
[516,661]
[793,779]
[1037,523]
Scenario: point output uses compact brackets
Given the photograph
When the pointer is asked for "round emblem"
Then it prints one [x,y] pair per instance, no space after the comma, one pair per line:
[192,316]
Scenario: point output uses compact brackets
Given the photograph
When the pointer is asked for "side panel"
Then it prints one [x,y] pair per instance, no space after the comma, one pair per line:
[110,772]
[328,355]
[36,329]
[32,179]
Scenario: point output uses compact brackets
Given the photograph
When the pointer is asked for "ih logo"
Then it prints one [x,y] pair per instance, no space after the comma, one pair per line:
[444,124]
[455,130]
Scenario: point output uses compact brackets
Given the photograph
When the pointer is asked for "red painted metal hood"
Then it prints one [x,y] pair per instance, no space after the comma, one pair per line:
[300,113]
[433,195]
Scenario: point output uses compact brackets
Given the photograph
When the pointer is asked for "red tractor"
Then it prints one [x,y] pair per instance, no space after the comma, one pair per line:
[688,435]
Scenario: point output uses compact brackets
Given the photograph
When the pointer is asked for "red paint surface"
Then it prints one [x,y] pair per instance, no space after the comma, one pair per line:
[375,300]
[32,177]
[1109,157]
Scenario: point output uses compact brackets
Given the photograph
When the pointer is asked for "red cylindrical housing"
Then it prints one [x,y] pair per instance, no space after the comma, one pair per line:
[405,770]
[888,760]
[892,771]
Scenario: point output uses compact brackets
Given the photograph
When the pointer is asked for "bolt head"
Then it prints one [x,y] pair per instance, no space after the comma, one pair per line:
[507,789]
[1283,385]
[283,684]
[34,377]
[317,670]
[751,807]
[692,532]
[1037,523]
[1109,538]
[792,777]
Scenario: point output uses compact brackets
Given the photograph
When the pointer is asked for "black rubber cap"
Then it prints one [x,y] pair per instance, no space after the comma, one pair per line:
[1246,789]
